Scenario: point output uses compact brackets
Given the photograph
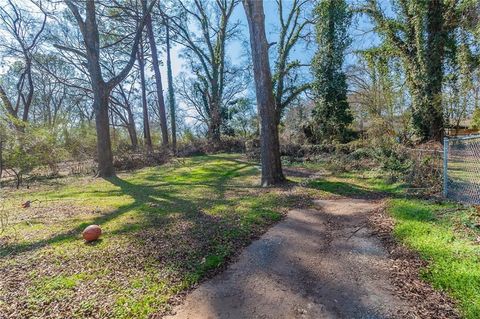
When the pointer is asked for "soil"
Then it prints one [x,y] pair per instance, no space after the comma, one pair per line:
[325,262]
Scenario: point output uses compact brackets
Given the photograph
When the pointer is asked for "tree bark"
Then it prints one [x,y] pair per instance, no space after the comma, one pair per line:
[158,76]
[171,93]
[436,50]
[132,132]
[269,143]
[1,160]
[146,121]
[215,123]
[104,147]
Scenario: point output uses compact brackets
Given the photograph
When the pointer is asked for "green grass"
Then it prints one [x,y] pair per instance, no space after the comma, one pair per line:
[164,229]
[446,238]
[368,184]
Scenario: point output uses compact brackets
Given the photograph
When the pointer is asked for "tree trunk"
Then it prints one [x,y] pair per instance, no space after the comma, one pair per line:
[171,93]
[215,124]
[132,132]
[146,122]
[104,147]
[158,78]
[29,99]
[436,51]
[270,146]
[1,160]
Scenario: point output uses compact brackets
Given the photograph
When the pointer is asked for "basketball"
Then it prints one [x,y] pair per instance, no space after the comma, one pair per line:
[92,233]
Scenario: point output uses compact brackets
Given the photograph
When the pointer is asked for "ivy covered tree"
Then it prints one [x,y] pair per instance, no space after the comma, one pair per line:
[331,115]
[418,35]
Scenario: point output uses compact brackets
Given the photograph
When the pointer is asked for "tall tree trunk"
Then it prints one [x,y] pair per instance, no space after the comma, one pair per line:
[146,121]
[158,76]
[436,50]
[114,131]
[171,93]
[270,146]
[1,159]
[29,99]
[104,147]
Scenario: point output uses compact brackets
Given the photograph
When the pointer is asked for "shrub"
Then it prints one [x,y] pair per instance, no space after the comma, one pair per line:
[34,147]
[81,142]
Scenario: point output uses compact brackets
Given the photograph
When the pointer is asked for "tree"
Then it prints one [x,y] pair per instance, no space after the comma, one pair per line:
[171,91]
[418,35]
[286,84]
[21,40]
[269,143]
[158,76]
[331,114]
[242,118]
[205,53]
[121,105]
[146,118]
[90,52]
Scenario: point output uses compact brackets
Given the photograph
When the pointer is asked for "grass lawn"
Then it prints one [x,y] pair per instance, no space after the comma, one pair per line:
[448,237]
[164,228]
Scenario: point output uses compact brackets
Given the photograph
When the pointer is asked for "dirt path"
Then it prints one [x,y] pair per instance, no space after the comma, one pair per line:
[320,263]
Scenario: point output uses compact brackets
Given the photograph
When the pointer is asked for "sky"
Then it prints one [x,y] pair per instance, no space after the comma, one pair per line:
[361,31]
[361,38]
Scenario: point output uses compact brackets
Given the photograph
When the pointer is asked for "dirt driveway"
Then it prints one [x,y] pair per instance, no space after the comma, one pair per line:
[317,263]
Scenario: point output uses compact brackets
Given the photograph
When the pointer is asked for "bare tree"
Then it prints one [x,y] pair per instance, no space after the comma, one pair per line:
[270,148]
[293,28]
[206,53]
[158,76]
[146,118]
[24,30]
[171,92]
[91,53]
[121,105]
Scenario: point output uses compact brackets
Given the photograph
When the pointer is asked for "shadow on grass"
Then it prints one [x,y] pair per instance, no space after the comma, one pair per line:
[154,202]
[346,189]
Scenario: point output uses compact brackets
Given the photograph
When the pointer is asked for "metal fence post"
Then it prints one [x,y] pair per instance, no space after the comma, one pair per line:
[445,167]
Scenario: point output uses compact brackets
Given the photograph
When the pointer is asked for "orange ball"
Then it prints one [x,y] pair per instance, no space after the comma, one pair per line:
[92,233]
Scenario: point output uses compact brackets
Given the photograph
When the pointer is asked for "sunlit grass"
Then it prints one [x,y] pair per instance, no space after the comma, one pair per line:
[442,238]
[164,229]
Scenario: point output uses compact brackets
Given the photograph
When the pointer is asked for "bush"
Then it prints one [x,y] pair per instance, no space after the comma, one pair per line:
[81,142]
[476,119]
[33,148]
[130,160]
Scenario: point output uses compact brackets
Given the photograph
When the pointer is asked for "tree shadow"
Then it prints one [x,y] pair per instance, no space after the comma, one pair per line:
[154,201]
[345,189]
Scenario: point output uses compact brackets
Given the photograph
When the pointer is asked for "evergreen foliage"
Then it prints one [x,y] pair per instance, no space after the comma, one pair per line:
[331,115]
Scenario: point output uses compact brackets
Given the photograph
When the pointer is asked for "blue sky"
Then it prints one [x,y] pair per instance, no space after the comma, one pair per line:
[362,36]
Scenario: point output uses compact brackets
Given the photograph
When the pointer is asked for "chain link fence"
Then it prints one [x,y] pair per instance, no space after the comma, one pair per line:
[461,169]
